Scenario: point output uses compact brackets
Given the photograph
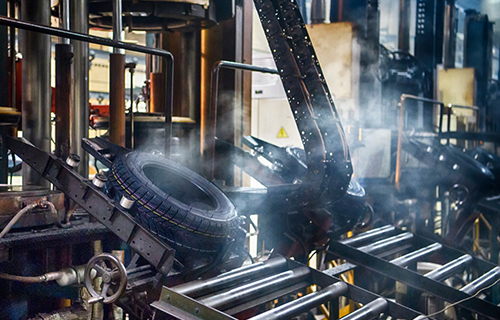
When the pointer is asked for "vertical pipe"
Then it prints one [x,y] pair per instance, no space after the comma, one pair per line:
[404,25]
[4,92]
[64,98]
[36,83]
[80,107]
[400,141]
[12,31]
[190,74]
[157,93]
[117,82]
[117,99]
[449,122]
[449,34]
[64,18]
[131,67]
[117,23]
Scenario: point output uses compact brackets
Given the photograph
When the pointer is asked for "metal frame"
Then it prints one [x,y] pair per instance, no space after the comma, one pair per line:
[95,202]
[392,270]
[214,98]
[169,58]
[186,300]
[441,104]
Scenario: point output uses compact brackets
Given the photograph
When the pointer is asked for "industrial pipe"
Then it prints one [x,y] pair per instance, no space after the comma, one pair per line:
[156,92]
[117,99]
[21,212]
[64,18]
[305,303]
[414,256]
[131,67]
[117,23]
[117,121]
[115,44]
[449,35]
[482,282]
[13,69]
[211,131]
[64,98]
[256,289]
[404,25]
[369,236]
[368,311]
[200,288]
[36,84]
[65,277]
[79,13]
[405,97]
[449,269]
[385,244]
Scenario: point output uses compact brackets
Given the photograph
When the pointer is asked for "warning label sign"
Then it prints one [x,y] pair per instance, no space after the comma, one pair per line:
[282,133]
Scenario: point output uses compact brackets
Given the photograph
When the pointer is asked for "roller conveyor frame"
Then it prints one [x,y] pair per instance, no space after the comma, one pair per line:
[430,282]
[180,306]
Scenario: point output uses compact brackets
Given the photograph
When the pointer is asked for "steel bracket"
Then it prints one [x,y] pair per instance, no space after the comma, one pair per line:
[95,202]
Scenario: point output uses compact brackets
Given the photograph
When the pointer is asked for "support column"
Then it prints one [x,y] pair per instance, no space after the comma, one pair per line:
[404,25]
[117,82]
[35,48]
[80,108]
[64,98]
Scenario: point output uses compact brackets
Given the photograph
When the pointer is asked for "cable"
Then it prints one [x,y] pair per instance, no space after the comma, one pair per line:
[16,218]
[23,211]
[463,300]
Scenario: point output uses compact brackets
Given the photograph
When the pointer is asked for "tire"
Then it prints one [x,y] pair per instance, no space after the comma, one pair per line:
[174,203]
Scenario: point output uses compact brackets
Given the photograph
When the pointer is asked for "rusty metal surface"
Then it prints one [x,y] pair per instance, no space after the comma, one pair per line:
[95,202]
[14,198]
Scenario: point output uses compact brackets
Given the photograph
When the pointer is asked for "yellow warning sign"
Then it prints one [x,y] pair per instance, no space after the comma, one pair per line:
[282,133]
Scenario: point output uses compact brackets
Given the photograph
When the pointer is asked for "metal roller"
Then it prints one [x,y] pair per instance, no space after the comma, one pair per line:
[414,256]
[303,304]
[256,289]
[385,244]
[200,288]
[369,236]
[485,280]
[369,311]
[449,269]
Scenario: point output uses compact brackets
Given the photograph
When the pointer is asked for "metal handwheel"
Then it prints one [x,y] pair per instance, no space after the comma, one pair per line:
[114,278]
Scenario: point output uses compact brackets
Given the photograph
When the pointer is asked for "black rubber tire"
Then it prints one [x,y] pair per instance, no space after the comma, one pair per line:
[173,202]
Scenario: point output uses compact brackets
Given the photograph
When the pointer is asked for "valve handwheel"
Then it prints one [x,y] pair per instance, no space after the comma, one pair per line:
[114,278]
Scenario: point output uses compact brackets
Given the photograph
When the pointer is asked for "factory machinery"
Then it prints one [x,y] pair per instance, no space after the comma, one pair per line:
[182,239]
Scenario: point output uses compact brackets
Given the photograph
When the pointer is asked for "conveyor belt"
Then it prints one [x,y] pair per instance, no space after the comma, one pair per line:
[386,238]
